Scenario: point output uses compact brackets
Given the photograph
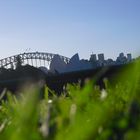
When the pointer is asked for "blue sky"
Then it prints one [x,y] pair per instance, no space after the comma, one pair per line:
[70,26]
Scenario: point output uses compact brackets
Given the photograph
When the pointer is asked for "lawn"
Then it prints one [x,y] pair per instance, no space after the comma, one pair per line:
[87,113]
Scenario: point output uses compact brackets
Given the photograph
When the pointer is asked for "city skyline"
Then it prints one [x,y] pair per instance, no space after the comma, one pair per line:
[58,65]
[61,64]
[69,27]
[96,56]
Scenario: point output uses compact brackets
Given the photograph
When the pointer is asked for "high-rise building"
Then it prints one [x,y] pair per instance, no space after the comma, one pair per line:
[129,57]
[121,59]
[93,58]
[101,57]
[121,55]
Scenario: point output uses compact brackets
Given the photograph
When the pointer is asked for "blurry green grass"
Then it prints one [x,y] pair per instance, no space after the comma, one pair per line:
[79,114]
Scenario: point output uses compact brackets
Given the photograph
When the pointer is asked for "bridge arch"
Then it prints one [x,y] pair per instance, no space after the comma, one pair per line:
[31,58]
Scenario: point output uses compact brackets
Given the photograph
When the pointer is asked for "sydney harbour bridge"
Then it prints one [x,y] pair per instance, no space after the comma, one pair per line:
[36,59]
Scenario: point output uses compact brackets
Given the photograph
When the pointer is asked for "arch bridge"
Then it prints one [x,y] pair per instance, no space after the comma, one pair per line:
[36,59]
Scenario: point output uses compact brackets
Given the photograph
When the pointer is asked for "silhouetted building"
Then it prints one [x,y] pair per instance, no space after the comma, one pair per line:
[129,57]
[93,58]
[121,59]
[101,57]
[121,55]
[110,62]
[57,64]
[75,64]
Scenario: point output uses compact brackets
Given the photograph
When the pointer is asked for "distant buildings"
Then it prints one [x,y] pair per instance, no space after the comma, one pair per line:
[93,58]
[101,57]
[57,64]
[129,57]
[75,64]
[122,59]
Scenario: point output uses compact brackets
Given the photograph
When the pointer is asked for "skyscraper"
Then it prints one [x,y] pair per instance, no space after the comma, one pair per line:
[93,58]
[101,57]
[129,57]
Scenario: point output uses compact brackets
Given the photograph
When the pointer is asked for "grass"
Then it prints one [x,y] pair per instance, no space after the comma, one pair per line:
[86,113]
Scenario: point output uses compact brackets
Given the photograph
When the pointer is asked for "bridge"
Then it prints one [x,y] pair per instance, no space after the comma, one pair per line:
[35,59]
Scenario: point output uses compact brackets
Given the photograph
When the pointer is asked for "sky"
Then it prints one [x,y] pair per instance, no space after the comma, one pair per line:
[67,27]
